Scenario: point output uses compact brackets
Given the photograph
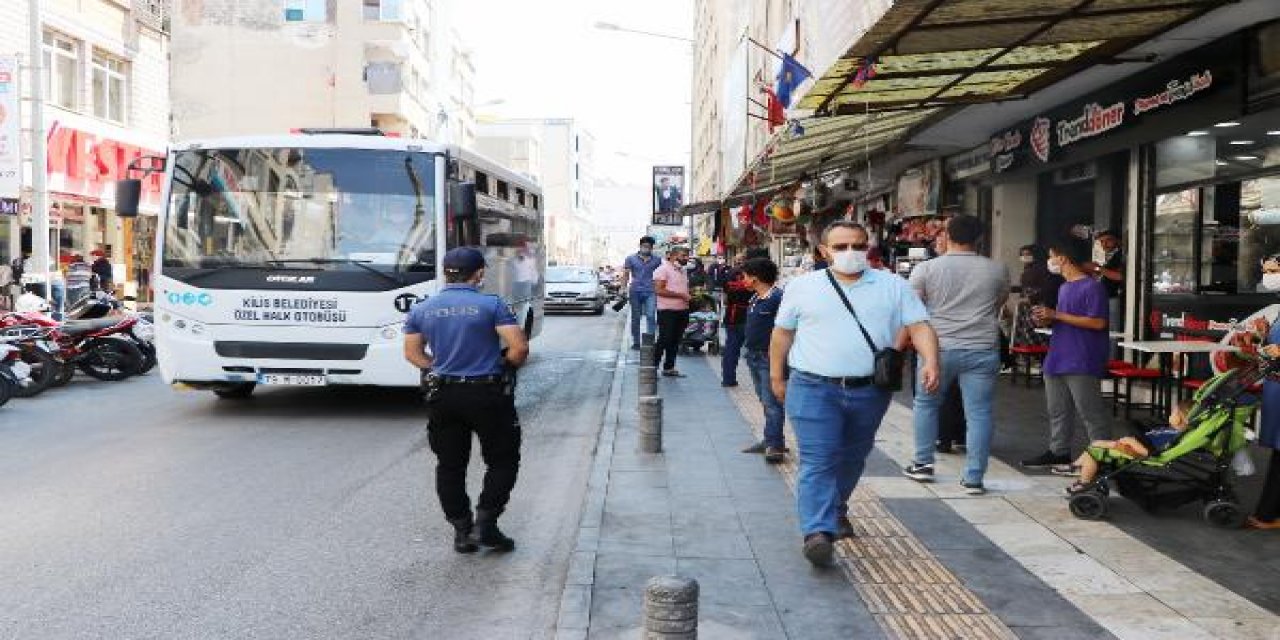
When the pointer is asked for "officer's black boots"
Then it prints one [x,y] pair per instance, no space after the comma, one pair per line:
[462,531]
[487,534]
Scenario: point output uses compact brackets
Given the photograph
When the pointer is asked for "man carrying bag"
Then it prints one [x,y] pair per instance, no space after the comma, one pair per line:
[835,329]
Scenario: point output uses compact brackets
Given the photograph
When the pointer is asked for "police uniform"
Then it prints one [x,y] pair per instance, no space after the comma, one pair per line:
[469,391]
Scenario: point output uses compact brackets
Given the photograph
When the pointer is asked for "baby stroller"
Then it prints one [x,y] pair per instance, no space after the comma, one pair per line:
[704,326]
[1195,466]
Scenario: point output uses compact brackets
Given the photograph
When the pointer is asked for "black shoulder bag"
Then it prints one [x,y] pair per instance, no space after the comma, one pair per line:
[888,361]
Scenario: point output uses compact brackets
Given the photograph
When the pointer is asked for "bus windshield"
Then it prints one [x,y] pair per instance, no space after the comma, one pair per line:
[358,211]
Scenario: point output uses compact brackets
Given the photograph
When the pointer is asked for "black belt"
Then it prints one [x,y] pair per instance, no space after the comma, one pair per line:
[493,379]
[845,383]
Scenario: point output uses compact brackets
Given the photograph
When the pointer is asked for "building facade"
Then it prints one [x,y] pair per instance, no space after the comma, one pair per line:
[566,167]
[105,68]
[280,65]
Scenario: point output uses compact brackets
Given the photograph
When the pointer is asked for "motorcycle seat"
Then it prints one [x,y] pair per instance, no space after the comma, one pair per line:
[79,327]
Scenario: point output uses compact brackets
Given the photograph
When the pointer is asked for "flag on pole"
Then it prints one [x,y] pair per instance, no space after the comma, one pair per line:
[790,76]
[777,115]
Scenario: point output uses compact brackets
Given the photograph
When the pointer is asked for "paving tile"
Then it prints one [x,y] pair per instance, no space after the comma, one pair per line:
[899,487]
[990,510]
[1239,628]
[616,613]
[1138,616]
[575,607]
[571,634]
[697,536]
[717,621]
[1019,598]
[1078,574]
[630,571]
[1127,556]
[620,480]
[582,568]
[636,533]
[1025,539]
[726,580]
[588,539]
[1054,633]
[935,524]
[1198,594]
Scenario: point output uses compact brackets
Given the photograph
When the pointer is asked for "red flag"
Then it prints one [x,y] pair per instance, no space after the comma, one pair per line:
[777,114]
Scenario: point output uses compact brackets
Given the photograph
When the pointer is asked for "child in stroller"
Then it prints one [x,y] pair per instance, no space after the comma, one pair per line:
[1194,466]
[704,324]
[1130,447]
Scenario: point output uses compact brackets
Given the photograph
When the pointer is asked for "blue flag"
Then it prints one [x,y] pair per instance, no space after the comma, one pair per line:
[790,76]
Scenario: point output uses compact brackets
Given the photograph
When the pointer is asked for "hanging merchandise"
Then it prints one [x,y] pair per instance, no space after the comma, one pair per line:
[744,215]
[783,208]
[760,216]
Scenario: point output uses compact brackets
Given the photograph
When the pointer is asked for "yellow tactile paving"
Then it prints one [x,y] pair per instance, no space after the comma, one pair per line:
[911,595]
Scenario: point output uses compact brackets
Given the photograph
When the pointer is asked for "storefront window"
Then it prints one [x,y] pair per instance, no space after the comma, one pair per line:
[1260,214]
[1175,232]
[1219,151]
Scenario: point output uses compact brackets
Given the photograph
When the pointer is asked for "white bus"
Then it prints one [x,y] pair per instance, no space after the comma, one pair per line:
[293,259]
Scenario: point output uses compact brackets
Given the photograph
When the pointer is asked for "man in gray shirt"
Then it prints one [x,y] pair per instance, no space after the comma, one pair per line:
[963,292]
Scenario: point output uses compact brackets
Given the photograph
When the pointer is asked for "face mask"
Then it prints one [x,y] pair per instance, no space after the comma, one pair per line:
[688,266]
[1271,281]
[850,262]
[644,251]
[1055,267]
[1027,259]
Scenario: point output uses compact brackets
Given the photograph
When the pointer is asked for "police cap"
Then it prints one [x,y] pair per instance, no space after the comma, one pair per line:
[463,260]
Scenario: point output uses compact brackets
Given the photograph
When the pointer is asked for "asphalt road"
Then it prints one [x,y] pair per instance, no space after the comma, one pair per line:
[133,511]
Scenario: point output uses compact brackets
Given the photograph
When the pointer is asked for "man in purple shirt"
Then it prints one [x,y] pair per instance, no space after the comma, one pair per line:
[1077,359]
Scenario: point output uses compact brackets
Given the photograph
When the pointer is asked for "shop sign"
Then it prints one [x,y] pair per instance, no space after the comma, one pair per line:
[971,163]
[91,163]
[10,131]
[1048,136]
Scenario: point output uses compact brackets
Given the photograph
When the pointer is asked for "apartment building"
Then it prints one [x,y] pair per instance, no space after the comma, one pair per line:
[104,67]
[566,169]
[277,65]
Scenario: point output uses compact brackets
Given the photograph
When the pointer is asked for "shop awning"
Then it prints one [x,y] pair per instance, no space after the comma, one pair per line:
[929,56]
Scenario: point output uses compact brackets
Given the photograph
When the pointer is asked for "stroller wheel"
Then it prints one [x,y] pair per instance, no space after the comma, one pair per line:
[1224,514]
[1089,505]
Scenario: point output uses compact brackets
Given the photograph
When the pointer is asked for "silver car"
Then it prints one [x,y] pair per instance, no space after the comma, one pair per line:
[571,288]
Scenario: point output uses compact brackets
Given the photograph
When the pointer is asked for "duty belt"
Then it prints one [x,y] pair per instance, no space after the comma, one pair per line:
[493,379]
[845,383]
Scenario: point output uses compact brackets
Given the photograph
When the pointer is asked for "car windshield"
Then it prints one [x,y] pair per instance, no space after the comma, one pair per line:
[351,210]
[570,274]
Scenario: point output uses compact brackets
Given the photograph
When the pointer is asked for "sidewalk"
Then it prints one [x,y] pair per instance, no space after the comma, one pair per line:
[918,569]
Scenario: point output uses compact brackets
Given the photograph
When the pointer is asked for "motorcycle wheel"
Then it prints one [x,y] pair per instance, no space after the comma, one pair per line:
[6,386]
[149,360]
[110,360]
[63,374]
[44,370]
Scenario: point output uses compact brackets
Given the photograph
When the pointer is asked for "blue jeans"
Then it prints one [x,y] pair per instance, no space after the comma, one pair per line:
[645,302]
[774,416]
[835,431]
[976,370]
[734,335]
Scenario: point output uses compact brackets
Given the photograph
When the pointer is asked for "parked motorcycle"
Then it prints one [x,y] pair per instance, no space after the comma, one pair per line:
[14,373]
[39,353]
[101,304]
[101,348]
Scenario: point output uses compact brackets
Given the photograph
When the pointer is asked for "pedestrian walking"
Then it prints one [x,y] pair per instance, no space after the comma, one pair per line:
[761,274]
[637,281]
[737,295]
[832,328]
[469,380]
[963,293]
[1077,359]
[671,284]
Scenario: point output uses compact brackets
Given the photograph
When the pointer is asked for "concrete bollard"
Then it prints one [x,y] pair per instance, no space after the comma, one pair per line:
[649,427]
[647,339]
[646,356]
[647,381]
[671,608]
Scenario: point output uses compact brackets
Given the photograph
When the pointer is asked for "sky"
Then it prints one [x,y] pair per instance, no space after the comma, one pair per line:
[545,58]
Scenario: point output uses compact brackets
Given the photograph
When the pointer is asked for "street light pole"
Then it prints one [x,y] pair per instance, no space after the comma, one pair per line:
[40,250]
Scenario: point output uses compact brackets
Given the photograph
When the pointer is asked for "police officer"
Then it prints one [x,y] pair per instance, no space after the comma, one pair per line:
[469,380]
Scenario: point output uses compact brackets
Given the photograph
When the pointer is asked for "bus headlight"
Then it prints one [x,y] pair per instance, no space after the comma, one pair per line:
[180,324]
[391,332]
[197,328]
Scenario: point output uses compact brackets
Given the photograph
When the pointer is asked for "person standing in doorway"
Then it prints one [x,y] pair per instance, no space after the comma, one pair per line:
[830,397]
[737,296]
[637,281]
[469,380]
[1077,359]
[761,274]
[102,268]
[1108,268]
[671,285]
[963,293]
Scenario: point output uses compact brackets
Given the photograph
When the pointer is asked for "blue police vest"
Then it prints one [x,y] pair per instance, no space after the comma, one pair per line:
[459,325]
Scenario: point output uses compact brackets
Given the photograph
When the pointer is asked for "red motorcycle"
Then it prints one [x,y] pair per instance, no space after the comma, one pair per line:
[100,347]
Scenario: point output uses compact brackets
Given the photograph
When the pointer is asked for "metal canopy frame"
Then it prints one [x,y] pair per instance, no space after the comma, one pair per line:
[935,56]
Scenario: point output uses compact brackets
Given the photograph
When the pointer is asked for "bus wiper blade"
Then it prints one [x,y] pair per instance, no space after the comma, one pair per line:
[363,264]
[208,271]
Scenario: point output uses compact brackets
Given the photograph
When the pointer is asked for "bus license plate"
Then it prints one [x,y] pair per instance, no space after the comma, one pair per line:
[291,380]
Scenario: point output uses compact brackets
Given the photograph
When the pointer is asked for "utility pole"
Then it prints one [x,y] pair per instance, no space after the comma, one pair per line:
[40,252]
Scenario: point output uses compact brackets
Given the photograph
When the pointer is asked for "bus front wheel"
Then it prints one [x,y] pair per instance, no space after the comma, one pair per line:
[235,391]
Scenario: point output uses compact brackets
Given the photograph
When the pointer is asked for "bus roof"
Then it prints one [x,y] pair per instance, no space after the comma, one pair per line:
[355,141]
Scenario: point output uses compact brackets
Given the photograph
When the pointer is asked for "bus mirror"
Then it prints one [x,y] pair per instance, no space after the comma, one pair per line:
[462,200]
[128,193]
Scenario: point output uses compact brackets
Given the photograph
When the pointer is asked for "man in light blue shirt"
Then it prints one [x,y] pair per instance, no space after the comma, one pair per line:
[831,401]
[637,280]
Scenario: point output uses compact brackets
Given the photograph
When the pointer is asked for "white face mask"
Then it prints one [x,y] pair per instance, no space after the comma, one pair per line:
[849,262]
[1027,259]
[1055,267]
[1271,281]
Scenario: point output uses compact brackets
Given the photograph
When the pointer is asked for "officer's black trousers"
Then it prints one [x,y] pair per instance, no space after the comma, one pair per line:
[486,411]
[671,326]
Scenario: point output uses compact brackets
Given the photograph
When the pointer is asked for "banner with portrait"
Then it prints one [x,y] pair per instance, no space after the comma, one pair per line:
[918,191]
[668,195]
